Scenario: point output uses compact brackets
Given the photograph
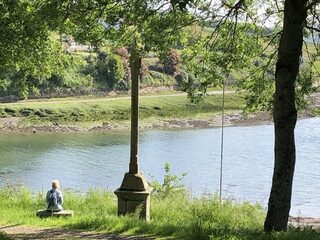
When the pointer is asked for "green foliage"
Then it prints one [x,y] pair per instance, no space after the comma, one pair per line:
[259,84]
[147,28]
[155,79]
[111,71]
[305,82]
[29,53]
[23,36]
[171,61]
[73,77]
[4,236]
[170,186]
[182,79]
[124,54]
[58,70]
[211,55]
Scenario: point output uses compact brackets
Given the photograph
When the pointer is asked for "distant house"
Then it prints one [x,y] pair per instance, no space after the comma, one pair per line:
[72,46]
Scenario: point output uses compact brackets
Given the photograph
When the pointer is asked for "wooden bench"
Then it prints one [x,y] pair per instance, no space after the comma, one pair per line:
[46,213]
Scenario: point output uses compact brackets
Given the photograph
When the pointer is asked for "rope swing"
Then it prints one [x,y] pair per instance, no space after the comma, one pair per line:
[222,138]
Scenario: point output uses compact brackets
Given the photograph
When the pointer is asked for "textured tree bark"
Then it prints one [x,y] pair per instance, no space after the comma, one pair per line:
[285,114]
[135,78]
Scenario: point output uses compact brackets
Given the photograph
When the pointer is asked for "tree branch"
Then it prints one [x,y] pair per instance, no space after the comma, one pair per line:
[312,4]
[313,28]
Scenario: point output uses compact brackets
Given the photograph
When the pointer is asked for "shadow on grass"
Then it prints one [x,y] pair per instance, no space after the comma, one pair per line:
[247,234]
[188,232]
[4,236]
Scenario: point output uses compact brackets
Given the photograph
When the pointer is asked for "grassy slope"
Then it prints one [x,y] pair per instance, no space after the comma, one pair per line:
[176,216]
[116,110]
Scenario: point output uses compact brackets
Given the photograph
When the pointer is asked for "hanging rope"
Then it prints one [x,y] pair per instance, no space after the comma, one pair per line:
[222,137]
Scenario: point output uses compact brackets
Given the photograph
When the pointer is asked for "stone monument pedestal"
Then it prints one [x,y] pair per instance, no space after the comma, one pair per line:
[134,195]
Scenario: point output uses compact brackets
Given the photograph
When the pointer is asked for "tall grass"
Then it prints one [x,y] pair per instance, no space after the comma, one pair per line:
[176,216]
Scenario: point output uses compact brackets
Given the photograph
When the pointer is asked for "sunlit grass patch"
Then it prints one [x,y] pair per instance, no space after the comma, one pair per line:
[176,216]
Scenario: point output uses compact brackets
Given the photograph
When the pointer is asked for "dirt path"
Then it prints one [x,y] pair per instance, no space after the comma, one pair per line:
[25,232]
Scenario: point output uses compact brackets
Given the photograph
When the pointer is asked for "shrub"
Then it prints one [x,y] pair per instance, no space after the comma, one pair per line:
[144,69]
[4,85]
[10,110]
[154,78]
[171,62]
[26,112]
[171,183]
[4,236]
[123,53]
[111,70]
[182,80]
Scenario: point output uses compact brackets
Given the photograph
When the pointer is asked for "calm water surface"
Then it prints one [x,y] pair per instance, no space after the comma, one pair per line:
[88,160]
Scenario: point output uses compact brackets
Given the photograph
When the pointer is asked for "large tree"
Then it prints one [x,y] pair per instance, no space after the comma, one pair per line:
[295,13]
[289,22]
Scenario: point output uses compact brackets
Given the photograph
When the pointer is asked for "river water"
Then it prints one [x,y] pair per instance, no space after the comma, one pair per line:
[88,160]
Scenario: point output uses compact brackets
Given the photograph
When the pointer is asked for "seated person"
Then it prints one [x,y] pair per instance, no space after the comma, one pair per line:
[54,198]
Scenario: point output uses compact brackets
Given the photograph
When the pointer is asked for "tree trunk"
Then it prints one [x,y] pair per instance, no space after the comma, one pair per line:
[285,114]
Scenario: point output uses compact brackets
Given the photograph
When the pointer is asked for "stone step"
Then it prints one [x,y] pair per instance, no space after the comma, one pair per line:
[46,213]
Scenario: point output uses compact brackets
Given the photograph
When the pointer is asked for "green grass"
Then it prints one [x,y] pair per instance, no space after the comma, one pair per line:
[4,236]
[175,217]
[316,111]
[116,110]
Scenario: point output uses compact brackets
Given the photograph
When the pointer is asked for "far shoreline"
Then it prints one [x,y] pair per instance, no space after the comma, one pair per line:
[232,119]
[152,120]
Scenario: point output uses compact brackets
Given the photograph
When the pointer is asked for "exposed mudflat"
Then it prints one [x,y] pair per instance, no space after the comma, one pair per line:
[13,124]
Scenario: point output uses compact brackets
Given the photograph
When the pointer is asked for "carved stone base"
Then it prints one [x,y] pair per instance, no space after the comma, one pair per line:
[134,201]
[134,182]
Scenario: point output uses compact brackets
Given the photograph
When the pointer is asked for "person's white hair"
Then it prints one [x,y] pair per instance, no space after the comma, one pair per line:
[55,184]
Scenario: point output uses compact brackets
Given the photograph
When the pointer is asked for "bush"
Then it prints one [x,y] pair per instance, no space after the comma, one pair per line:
[26,111]
[4,236]
[10,110]
[123,53]
[182,80]
[171,184]
[2,113]
[171,62]
[111,70]
[4,85]
[144,69]
[154,78]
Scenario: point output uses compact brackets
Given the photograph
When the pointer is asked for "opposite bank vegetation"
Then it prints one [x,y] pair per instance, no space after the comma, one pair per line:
[112,112]
[164,110]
